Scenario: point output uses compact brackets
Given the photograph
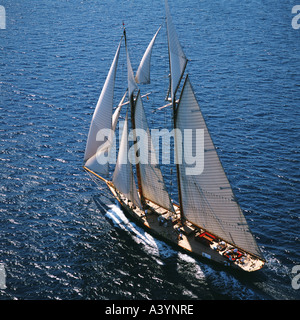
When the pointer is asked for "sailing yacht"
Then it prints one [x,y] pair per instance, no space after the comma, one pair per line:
[207,222]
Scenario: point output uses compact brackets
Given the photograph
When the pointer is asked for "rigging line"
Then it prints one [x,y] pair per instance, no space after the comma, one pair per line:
[99,185]
[224,222]
[209,207]
[128,102]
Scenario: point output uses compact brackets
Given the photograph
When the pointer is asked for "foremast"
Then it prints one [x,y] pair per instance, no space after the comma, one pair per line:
[150,180]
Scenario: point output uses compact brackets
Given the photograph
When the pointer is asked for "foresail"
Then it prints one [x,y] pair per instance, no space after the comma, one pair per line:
[143,72]
[208,200]
[177,57]
[152,180]
[123,178]
[102,120]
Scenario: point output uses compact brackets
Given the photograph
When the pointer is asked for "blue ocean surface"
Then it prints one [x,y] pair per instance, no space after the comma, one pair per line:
[61,237]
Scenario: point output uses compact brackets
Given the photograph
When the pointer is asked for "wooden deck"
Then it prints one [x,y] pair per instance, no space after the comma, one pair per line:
[168,226]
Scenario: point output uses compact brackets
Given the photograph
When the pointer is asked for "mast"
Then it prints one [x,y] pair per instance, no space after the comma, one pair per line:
[123,178]
[177,62]
[150,180]
[131,87]
[208,197]
[138,169]
[182,217]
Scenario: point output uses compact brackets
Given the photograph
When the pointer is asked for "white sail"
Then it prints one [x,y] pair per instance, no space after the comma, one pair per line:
[111,146]
[123,178]
[143,72]
[152,180]
[115,116]
[177,57]
[102,119]
[207,199]
[130,75]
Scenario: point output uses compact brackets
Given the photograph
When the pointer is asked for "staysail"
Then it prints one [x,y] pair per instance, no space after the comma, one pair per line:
[208,200]
[177,57]
[101,122]
[152,180]
[143,72]
[123,178]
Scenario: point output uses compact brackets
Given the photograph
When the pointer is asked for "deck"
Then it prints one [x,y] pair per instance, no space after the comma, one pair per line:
[168,226]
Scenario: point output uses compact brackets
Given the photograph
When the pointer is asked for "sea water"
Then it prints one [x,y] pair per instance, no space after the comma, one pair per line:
[61,237]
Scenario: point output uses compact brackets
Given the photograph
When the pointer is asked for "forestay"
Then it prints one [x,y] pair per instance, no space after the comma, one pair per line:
[207,199]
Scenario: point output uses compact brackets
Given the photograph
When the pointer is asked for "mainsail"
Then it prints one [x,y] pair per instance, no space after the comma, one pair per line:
[143,72]
[207,199]
[152,180]
[102,121]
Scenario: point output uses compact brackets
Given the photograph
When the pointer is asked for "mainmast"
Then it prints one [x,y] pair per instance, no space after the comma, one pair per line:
[132,102]
[177,62]
[138,170]
[177,164]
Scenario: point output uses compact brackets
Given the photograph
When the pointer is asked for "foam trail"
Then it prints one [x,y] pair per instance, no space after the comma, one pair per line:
[119,218]
[154,247]
[220,281]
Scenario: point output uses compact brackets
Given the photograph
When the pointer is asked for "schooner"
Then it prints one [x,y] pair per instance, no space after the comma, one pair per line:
[207,222]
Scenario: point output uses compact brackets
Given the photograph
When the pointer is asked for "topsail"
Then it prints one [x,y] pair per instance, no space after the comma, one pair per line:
[143,72]
[177,57]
